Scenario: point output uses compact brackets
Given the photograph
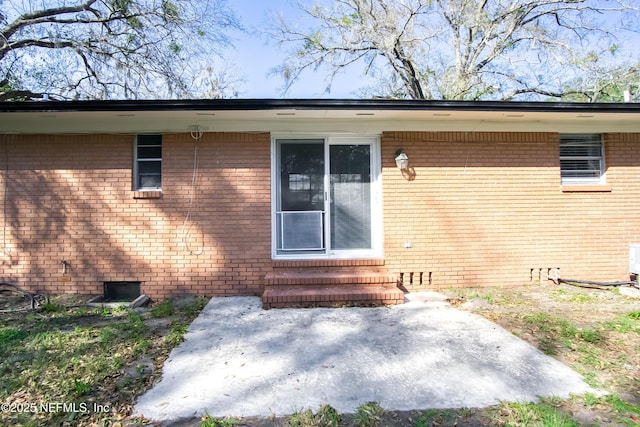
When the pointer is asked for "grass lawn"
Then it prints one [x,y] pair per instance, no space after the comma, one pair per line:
[70,364]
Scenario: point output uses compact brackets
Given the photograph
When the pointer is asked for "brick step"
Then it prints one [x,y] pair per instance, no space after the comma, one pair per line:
[330,296]
[329,277]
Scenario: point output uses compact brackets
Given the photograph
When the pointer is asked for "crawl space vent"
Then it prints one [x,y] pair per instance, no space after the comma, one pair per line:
[121,291]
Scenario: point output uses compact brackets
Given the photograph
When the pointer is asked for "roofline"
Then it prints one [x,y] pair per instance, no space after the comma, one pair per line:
[312,104]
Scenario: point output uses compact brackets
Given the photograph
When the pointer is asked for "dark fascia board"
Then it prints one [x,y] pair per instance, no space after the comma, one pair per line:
[313,104]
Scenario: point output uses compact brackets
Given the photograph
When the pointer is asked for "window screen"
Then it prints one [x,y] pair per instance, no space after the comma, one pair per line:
[581,159]
[148,162]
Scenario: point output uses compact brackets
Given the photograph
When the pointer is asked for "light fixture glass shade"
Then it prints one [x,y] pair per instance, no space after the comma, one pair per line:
[402,161]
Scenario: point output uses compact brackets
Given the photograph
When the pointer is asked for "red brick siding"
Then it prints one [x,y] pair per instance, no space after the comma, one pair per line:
[488,209]
[479,208]
[71,198]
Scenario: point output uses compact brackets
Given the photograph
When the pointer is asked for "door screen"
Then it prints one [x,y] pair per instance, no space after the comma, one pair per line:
[323,197]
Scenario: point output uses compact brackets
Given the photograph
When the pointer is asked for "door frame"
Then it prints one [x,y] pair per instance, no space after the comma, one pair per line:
[376,250]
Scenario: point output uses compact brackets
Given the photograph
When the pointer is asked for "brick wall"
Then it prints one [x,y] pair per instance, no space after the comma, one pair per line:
[70,198]
[487,209]
[479,209]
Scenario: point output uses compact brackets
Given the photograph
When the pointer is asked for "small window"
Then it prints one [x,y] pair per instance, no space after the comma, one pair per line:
[581,159]
[121,291]
[148,164]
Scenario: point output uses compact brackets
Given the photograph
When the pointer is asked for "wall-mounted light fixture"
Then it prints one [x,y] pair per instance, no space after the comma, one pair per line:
[402,160]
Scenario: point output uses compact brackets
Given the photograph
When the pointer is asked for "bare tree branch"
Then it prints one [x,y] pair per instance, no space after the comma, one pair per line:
[97,48]
[37,17]
[460,49]
[15,95]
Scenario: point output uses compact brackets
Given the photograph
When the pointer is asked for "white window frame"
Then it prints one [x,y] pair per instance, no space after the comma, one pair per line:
[136,163]
[377,243]
[587,139]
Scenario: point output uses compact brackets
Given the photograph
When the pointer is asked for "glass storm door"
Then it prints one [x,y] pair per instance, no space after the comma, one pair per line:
[301,196]
[350,200]
[323,198]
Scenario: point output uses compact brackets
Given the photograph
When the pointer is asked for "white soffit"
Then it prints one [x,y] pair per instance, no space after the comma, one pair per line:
[314,120]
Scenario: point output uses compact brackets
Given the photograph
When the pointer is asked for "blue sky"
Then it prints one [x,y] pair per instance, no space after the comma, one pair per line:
[255,57]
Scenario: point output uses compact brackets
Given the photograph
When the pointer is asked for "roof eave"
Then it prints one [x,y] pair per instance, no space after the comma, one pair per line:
[312,104]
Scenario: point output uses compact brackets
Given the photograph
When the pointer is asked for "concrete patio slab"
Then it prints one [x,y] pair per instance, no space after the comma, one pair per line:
[240,360]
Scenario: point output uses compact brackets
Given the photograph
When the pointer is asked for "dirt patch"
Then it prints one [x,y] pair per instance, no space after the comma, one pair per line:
[594,331]
[529,314]
[455,417]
